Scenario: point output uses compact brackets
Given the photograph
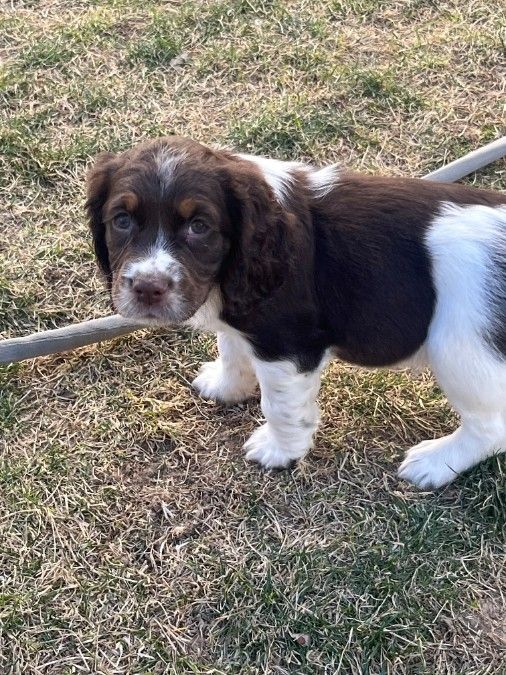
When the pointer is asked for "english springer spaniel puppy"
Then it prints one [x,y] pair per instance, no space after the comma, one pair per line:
[293,265]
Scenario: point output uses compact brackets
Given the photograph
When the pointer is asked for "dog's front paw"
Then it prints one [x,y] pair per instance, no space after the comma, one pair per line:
[430,464]
[214,382]
[263,448]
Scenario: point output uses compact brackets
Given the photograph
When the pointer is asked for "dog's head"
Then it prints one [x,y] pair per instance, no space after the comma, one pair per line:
[172,219]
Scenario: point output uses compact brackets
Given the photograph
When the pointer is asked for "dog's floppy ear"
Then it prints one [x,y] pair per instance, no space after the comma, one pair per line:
[98,182]
[260,252]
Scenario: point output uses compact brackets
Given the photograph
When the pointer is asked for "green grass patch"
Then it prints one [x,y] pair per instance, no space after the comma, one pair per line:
[158,45]
[47,54]
[9,394]
[385,89]
[291,129]
[364,9]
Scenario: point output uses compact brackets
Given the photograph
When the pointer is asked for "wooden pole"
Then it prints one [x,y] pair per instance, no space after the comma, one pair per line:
[473,161]
[88,332]
[67,338]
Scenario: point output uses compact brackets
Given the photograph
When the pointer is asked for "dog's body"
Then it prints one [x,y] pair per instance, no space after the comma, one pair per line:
[291,265]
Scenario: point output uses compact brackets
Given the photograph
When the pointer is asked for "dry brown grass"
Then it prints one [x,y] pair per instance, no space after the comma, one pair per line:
[134,537]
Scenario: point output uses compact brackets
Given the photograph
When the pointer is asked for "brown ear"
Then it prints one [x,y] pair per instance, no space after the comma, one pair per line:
[98,181]
[259,254]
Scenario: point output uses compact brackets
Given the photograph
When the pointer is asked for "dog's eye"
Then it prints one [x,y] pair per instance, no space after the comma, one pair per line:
[198,227]
[122,221]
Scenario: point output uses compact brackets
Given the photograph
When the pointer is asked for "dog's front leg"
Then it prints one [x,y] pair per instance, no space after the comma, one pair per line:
[230,378]
[289,406]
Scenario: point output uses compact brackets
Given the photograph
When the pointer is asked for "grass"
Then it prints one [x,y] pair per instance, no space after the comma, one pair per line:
[135,539]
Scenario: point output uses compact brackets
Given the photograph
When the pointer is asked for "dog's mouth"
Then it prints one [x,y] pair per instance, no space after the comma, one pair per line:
[174,309]
[167,314]
[155,300]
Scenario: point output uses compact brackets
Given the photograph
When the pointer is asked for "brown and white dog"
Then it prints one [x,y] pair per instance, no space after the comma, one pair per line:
[292,265]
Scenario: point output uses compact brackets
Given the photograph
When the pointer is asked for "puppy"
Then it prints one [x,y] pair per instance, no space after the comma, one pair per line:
[292,266]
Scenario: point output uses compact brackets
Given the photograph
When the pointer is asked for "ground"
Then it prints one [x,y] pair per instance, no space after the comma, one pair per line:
[134,536]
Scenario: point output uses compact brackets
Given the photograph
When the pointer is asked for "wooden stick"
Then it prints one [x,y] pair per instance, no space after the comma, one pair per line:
[87,332]
[473,161]
[63,339]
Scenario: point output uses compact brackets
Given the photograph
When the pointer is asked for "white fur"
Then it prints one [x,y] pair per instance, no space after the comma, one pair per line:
[288,397]
[166,161]
[158,262]
[289,405]
[278,174]
[322,181]
[207,317]
[463,242]
[231,377]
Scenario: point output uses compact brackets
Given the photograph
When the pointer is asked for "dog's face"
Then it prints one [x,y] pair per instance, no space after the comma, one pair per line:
[171,219]
[163,229]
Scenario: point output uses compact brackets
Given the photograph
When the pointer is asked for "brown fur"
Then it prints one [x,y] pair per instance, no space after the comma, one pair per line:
[348,270]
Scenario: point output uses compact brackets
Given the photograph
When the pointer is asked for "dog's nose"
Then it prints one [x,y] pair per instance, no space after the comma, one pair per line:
[151,291]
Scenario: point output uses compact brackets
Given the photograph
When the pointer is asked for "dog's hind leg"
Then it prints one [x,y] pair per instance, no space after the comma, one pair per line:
[464,344]
[434,463]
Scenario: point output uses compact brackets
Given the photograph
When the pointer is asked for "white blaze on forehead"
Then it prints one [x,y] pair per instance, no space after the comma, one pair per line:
[166,161]
[158,262]
[278,174]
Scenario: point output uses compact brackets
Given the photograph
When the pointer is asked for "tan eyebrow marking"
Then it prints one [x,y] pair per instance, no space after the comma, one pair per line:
[131,201]
[187,207]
